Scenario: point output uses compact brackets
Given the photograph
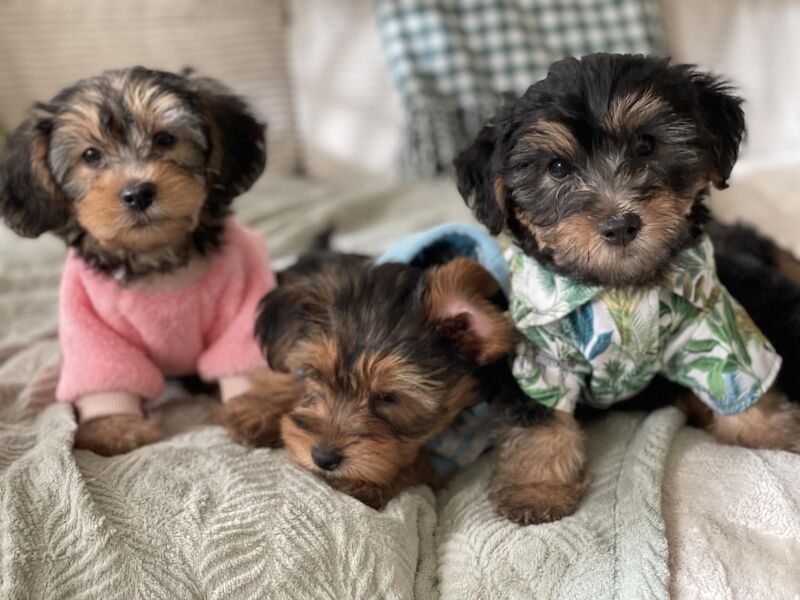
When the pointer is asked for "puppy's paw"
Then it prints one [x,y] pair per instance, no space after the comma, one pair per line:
[117,434]
[773,422]
[532,504]
[541,471]
[250,419]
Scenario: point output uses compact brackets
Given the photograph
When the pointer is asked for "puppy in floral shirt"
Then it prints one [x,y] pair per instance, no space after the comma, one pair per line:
[599,173]
[603,345]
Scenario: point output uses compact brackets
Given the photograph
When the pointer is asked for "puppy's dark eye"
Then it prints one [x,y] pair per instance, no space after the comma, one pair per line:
[163,139]
[91,156]
[301,422]
[384,399]
[644,145]
[559,168]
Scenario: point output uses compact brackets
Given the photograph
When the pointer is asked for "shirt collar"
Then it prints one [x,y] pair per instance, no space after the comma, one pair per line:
[541,296]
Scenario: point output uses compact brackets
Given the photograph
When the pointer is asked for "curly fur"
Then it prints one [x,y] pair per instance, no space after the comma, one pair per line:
[385,357]
[601,138]
[592,114]
[217,151]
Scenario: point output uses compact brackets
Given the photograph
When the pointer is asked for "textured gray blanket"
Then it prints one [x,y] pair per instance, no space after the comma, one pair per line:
[197,516]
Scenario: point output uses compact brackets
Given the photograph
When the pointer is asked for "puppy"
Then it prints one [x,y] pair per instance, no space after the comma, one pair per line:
[136,170]
[599,173]
[384,358]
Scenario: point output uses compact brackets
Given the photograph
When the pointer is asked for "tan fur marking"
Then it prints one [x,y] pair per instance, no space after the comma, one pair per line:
[788,265]
[175,212]
[41,172]
[390,373]
[253,418]
[631,112]
[117,434]
[81,122]
[376,459]
[501,194]
[319,353]
[420,472]
[575,240]
[540,475]
[374,456]
[464,394]
[466,281]
[553,136]
[773,422]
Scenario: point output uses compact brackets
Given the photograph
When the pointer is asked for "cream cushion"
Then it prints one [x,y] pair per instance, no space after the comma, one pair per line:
[349,114]
[754,44]
[47,44]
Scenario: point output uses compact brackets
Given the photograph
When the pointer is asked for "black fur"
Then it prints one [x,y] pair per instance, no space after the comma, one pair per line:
[30,204]
[746,266]
[369,308]
[39,194]
[697,130]
[241,136]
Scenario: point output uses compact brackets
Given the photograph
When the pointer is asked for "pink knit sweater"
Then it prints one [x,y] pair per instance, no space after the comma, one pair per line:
[118,342]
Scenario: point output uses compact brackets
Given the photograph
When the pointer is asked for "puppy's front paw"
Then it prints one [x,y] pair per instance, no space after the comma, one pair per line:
[117,434]
[541,471]
[251,420]
[773,422]
[532,504]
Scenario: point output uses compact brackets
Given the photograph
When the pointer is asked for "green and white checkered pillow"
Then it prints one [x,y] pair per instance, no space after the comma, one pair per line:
[453,59]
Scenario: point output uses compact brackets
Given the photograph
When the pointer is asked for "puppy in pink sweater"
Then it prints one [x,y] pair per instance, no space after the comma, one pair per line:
[136,171]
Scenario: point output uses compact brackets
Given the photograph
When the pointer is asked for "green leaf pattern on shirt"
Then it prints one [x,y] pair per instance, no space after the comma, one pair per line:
[605,345]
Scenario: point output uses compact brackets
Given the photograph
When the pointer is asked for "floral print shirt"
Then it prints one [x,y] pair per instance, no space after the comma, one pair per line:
[601,345]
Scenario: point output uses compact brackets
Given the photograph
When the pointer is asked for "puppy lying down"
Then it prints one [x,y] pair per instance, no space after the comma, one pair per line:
[395,370]
[384,356]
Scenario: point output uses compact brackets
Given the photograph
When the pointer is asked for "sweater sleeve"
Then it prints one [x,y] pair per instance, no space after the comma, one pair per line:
[95,358]
[234,350]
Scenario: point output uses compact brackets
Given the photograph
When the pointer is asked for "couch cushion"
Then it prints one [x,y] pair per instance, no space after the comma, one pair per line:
[755,45]
[349,115]
[46,45]
[453,60]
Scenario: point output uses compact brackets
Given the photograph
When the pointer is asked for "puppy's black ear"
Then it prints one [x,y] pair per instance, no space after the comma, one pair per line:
[479,180]
[31,202]
[720,115]
[238,140]
[459,296]
[285,316]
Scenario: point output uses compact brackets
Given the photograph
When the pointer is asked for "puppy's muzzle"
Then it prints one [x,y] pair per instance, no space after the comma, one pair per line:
[138,196]
[620,230]
[326,457]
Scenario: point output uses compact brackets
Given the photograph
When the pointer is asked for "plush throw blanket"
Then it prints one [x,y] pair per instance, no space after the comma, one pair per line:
[197,516]
[451,60]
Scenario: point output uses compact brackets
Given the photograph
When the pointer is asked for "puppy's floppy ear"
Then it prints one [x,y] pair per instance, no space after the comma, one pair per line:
[285,316]
[31,202]
[720,114]
[238,140]
[459,305]
[479,181]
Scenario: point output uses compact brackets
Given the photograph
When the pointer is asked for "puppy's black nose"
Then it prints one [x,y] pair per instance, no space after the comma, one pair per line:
[138,196]
[326,457]
[621,230]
